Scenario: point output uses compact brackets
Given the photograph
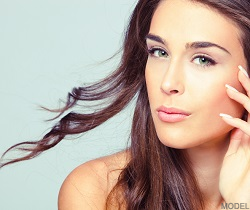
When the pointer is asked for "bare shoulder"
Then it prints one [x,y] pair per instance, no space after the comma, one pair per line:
[89,184]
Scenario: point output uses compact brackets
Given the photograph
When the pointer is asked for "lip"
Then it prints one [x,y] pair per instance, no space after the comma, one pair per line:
[171,114]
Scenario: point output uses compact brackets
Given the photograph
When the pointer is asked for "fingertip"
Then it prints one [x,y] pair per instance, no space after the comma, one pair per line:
[231,88]
[226,116]
[243,71]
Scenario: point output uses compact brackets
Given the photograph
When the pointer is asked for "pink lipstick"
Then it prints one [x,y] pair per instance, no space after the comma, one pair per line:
[171,115]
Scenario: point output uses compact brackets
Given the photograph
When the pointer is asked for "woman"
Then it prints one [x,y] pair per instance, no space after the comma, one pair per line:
[189,141]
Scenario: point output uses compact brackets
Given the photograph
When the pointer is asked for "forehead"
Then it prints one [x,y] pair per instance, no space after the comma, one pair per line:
[187,21]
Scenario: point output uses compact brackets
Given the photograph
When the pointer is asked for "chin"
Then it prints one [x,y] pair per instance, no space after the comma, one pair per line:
[177,143]
[187,142]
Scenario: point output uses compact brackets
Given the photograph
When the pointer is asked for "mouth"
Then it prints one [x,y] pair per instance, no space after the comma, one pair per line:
[171,115]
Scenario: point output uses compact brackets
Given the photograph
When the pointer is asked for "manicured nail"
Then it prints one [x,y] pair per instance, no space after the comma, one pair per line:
[226,116]
[243,71]
[231,88]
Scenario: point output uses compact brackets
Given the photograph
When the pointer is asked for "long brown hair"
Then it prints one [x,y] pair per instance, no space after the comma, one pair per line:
[156,176]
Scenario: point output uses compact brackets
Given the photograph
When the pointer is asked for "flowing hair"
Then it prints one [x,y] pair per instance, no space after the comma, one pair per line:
[156,177]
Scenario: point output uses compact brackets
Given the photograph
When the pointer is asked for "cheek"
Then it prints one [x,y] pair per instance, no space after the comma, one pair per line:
[152,83]
[154,73]
[217,101]
[232,107]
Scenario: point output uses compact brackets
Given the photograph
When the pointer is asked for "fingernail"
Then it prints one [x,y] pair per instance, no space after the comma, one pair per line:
[231,88]
[243,71]
[226,116]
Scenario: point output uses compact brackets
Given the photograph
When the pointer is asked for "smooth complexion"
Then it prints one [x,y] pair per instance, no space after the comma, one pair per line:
[191,59]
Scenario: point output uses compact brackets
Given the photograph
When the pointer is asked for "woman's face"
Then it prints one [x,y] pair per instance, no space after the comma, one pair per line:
[193,53]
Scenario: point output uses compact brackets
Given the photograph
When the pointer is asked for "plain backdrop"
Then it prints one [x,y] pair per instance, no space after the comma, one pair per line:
[47,47]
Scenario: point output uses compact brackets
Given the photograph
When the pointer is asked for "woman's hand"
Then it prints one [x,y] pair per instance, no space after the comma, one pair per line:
[234,181]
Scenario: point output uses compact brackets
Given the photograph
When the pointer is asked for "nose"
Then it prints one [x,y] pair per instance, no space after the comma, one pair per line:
[173,80]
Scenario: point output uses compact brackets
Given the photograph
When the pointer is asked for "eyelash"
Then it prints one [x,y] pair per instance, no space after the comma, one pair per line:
[152,50]
[211,62]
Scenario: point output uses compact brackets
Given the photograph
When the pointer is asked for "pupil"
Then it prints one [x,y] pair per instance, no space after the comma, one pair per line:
[203,60]
[162,53]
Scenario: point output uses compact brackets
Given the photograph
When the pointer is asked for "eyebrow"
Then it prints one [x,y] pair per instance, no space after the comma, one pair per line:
[192,45]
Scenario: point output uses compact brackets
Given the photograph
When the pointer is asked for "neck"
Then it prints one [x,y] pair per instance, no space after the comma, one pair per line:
[206,161]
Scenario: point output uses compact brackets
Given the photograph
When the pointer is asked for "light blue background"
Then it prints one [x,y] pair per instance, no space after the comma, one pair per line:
[46,48]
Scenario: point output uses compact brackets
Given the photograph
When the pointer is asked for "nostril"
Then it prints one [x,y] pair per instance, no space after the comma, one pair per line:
[174,91]
[174,88]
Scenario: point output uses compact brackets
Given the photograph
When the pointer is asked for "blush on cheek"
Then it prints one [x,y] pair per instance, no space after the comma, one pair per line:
[234,108]
[231,107]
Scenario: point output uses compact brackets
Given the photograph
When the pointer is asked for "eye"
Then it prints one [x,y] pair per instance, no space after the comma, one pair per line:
[158,52]
[204,61]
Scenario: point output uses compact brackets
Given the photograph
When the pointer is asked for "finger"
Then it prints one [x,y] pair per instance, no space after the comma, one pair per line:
[236,122]
[243,126]
[235,140]
[244,79]
[238,96]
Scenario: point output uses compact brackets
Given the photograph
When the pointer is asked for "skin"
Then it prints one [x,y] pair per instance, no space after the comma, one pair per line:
[88,185]
[178,79]
[177,76]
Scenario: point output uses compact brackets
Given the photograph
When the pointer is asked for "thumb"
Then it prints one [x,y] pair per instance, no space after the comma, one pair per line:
[235,140]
